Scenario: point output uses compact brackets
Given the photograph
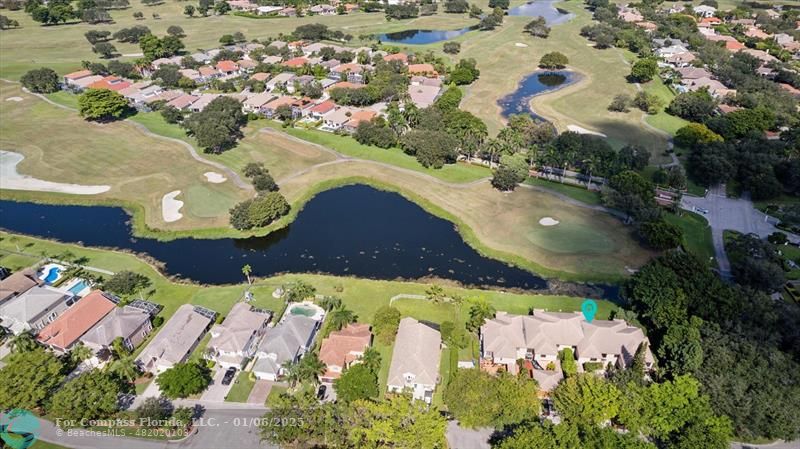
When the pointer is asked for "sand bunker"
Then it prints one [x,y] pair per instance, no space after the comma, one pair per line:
[170,207]
[17,99]
[582,130]
[520,44]
[12,180]
[214,177]
[548,221]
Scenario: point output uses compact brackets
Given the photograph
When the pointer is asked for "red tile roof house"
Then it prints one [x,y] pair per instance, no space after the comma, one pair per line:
[70,78]
[114,83]
[228,67]
[294,63]
[422,69]
[208,73]
[62,334]
[271,108]
[317,111]
[344,71]
[342,349]
[397,57]
[358,116]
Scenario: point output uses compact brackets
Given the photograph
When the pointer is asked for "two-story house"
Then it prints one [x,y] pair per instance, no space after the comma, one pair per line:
[236,339]
[415,360]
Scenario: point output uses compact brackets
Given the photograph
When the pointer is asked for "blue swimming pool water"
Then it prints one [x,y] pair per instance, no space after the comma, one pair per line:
[77,288]
[52,275]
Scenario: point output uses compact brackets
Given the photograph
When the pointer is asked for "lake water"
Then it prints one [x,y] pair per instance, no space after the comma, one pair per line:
[422,37]
[542,8]
[353,230]
[518,102]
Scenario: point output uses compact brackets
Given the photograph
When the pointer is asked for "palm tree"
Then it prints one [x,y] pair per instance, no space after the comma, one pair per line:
[372,359]
[80,353]
[246,270]
[291,372]
[330,302]
[124,368]
[341,317]
[589,164]
[310,368]
[435,293]
[23,342]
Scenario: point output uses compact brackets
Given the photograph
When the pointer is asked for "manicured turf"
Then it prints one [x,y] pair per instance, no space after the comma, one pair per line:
[663,121]
[696,233]
[241,388]
[140,169]
[274,394]
[574,192]
[394,156]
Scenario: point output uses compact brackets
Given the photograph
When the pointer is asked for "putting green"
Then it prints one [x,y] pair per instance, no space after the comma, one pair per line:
[571,238]
[206,201]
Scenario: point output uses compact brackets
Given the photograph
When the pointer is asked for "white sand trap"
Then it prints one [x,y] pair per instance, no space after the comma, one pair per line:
[17,99]
[133,55]
[581,130]
[214,177]
[548,221]
[170,207]
[520,44]
[12,180]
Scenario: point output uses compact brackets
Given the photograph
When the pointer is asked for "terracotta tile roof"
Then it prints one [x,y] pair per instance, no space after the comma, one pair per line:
[114,83]
[76,321]
[421,68]
[347,85]
[260,76]
[325,106]
[77,75]
[295,62]
[207,70]
[342,347]
[396,57]
[18,283]
[227,66]
[361,115]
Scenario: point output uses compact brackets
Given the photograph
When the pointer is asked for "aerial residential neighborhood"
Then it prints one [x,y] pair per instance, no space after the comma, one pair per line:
[399,224]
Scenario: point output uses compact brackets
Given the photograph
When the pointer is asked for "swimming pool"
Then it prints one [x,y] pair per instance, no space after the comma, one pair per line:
[52,275]
[79,287]
[303,311]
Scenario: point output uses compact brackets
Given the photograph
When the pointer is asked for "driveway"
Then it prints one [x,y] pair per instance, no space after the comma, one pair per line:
[216,392]
[736,214]
[152,391]
[260,391]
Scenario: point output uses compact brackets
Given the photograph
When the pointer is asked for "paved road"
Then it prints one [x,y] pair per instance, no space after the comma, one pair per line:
[737,214]
[216,429]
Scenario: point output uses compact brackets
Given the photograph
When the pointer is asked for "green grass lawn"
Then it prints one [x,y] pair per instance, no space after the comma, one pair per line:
[394,156]
[696,233]
[663,121]
[241,388]
[140,388]
[274,394]
[574,192]
[386,360]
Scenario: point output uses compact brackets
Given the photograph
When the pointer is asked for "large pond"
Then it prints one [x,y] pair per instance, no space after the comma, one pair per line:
[542,8]
[539,82]
[353,230]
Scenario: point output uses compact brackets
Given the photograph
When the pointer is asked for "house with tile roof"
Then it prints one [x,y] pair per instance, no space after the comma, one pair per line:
[19,282]
[541,336]
[236,339]
[422,69]
[34,309]
[183,102]
[294,63]
[280,80]
[423,95]
[284,343]
[130,324]
[114,83]
[343,348]
[66,330]
[256,102]
[415,360]
[71,78]
[176,339]
[227,67]
[319,110]
[402,57]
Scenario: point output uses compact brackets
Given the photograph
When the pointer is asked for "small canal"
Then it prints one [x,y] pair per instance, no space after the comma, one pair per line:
[352,231]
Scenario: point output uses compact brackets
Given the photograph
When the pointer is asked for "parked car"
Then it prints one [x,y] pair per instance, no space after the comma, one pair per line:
[321,392]
[229,375]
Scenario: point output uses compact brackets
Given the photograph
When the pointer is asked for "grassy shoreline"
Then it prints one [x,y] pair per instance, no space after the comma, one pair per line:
[140,229]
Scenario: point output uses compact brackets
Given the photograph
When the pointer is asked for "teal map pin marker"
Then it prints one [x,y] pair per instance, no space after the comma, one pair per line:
[589,309]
